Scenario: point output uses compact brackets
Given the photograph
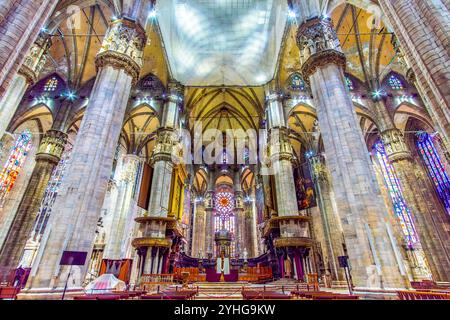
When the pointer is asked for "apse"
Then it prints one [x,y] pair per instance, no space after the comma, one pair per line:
[222,42]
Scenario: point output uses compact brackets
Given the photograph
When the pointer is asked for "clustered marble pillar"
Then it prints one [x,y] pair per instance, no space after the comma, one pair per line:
[20,24]
[77,207]
[431,235]
[239,214]
[374,254]
[294,242]
[26,76]
[251,236]
[154,243]
[47,158]
[199,234]
[125,210]
[209,218]
[329,220]
[420,28]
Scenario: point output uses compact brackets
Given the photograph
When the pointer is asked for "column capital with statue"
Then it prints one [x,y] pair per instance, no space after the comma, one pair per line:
[52,146]
[35,60]
[123,47]
[319,45]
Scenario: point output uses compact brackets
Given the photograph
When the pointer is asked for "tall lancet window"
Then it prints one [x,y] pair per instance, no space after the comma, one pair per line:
[14,164]
[51,192]
[435,167]
[400,207]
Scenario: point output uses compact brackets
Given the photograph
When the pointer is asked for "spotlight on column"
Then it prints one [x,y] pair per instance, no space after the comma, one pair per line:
[152,14]
[292,14]
[70,95]
[378,94]
[309,154]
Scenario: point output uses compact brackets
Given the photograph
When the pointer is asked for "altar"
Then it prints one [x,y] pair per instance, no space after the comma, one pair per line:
[213,276]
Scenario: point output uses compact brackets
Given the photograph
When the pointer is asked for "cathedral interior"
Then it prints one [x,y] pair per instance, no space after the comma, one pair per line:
[222,143]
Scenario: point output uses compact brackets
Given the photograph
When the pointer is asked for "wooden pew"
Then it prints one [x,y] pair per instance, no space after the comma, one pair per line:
[418,295]
[171,295]
[264,295]
[9,292]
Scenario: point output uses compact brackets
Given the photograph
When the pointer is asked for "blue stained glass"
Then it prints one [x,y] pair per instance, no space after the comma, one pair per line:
[435,167]
[349,83]
[297,83]
[395,83]
[400,207]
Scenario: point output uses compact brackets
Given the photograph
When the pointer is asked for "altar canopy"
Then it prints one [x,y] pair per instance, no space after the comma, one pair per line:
[222,42]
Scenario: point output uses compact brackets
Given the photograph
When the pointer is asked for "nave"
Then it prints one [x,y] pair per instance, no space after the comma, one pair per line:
[224,149]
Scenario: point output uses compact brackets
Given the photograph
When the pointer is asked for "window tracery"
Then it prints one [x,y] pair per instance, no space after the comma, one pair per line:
[395,83]
[401,208]
[435,167]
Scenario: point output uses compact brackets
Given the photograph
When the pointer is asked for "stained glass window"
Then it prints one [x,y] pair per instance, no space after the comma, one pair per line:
[224,206]
[50,195]
[297,83]
[436,169]
[400,207]
[349,83]
[14,164]
[395,83]
[51,85]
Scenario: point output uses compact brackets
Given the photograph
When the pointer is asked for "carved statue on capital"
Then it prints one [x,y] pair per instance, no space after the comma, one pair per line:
[395,145]
[166,146]
[176,91]
[123,47]
[315,36]
[319,45]
[280,147]
[209,201]
[239,199]
[52,146]
[35,60]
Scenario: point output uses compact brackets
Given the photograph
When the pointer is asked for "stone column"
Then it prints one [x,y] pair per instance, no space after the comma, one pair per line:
[78,206]
[154,244]
[294,234]
[422,29]
[199,232]
[373,252]
[239,213]
[209,211]
[20,23]
[116,245]
[251,237]
[47,158]
[328,218]
[431,235]
[27,75]
[209,223]
[281,154]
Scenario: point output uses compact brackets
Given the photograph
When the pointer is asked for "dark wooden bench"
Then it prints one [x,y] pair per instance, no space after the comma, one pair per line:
[418,295]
